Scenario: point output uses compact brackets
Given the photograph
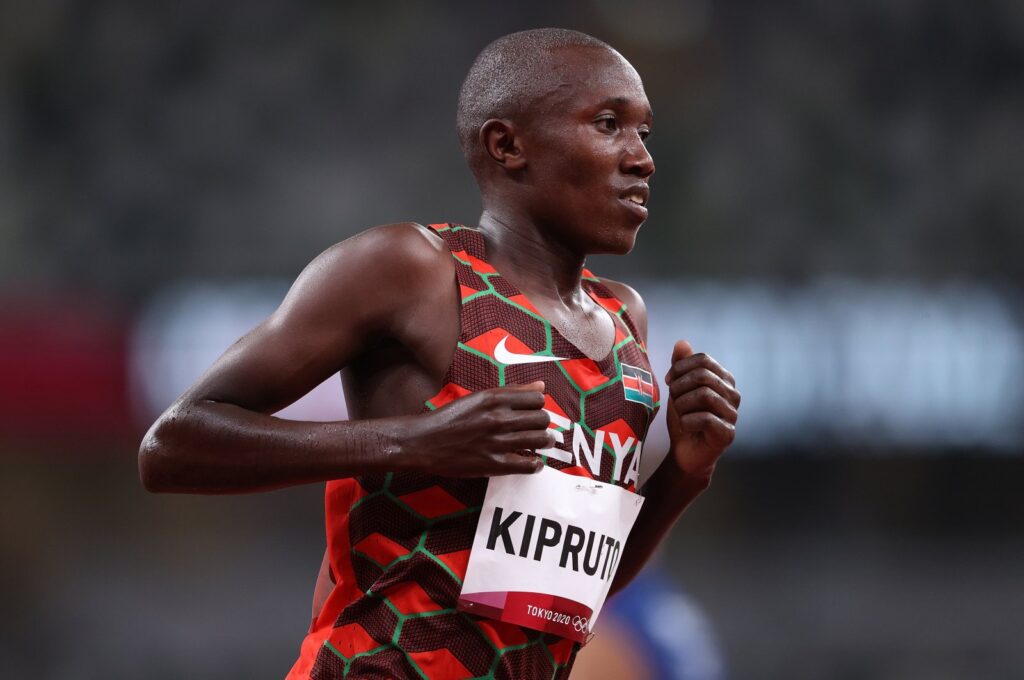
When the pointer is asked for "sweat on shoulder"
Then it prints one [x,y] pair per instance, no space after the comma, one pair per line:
[486,366]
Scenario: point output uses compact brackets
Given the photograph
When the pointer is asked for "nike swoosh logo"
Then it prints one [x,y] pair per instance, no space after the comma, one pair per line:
[508,357]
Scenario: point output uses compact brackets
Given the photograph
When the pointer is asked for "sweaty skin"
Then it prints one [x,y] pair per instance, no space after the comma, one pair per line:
[554,189]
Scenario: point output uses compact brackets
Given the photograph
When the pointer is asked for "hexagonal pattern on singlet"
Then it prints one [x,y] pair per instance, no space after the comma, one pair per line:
[409,535]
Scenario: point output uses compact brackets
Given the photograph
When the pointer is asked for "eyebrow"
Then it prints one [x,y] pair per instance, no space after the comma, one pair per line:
[621,101]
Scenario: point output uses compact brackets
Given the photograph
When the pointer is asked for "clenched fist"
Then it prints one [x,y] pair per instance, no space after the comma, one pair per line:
[703,407]
[480,434]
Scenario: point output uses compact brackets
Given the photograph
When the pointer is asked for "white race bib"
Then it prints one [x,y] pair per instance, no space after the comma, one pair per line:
[546,550]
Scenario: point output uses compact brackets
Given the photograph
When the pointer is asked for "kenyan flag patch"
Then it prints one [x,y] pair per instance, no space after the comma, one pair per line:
[638,385]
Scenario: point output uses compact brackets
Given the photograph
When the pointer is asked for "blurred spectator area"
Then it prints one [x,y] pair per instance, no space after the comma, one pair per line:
[144,143]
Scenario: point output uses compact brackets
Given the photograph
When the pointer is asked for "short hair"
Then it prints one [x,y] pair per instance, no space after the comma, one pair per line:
[505,78]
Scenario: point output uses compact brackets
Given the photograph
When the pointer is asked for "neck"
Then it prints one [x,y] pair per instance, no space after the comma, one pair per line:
[539,264]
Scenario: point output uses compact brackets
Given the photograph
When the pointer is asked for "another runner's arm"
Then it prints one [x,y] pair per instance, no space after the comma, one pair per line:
[701,405]
[219,437]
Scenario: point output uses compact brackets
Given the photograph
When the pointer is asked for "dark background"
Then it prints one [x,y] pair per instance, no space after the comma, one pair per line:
[146,148]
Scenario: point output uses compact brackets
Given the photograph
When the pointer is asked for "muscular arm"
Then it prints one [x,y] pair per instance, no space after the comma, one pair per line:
[219,437]
[702,404]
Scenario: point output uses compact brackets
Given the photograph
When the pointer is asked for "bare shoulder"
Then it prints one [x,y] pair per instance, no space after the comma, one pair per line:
[404,248]
[373,274]
[634,303]
[349,299]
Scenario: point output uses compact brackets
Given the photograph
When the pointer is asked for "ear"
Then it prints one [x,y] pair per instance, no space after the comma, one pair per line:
[502,142]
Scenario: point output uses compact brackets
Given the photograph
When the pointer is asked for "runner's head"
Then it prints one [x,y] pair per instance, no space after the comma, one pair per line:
[507,78]
[553,122]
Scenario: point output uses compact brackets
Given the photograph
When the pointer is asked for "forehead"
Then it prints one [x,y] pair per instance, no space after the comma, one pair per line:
[583,76]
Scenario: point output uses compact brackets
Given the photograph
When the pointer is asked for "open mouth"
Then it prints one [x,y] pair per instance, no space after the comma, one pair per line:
[636,199]
[637,196]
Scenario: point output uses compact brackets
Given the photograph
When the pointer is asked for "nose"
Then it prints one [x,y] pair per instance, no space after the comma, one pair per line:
[637,159]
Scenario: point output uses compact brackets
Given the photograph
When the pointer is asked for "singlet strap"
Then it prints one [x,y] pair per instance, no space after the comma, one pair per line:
[604,296]
[467,247]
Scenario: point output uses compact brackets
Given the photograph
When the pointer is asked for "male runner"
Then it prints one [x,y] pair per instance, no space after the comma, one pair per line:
[465,353]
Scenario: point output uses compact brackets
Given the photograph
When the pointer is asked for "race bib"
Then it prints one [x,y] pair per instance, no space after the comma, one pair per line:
[546,550]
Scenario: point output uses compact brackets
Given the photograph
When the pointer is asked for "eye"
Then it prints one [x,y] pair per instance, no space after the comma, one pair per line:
[644,134]
[607,123]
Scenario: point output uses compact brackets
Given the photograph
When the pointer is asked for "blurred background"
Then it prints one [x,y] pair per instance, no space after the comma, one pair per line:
[837,216]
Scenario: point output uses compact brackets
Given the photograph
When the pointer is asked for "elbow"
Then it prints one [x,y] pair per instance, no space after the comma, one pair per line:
[149,464]
[150,474]
[157,461]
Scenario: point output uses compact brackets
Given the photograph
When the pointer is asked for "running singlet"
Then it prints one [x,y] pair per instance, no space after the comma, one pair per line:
[398,543]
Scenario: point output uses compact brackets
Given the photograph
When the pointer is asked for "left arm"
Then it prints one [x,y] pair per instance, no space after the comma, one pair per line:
[702,405]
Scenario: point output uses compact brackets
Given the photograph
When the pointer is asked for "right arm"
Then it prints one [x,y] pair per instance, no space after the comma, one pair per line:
[219,437]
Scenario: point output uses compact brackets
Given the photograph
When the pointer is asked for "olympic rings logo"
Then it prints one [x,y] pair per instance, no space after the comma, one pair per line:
[580,623]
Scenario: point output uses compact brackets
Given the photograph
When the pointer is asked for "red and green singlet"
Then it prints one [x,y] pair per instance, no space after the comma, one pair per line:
[398,543]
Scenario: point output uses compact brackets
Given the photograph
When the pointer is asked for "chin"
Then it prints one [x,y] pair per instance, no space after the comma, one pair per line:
[618,240]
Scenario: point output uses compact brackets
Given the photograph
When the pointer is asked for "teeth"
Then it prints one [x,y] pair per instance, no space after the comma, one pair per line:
[635,199]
